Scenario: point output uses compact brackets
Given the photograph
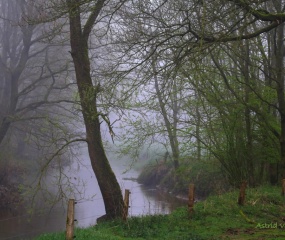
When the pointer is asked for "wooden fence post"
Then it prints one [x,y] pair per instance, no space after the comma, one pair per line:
[191,198]
[70,220]
[126,204]
[241,198]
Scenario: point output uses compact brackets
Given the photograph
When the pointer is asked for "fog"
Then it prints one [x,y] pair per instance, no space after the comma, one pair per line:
[181,86]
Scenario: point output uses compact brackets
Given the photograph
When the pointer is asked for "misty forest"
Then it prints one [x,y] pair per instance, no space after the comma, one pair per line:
[181,91]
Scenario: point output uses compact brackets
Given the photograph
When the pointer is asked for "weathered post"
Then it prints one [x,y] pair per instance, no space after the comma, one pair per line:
[191,198]
[70,220]
[241,198]
[283,187]
[126,204]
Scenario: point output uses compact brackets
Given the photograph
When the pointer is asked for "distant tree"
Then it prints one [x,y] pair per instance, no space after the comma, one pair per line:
[182,34]
[30,73]
[36,94]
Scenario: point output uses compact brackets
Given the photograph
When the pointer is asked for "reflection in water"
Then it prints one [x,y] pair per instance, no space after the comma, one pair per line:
[25,226]
[89,205]
[164,203]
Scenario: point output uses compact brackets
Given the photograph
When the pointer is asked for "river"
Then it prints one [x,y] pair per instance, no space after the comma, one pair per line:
[89,205]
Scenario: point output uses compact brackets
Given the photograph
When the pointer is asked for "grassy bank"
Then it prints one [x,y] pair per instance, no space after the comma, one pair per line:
[218,217]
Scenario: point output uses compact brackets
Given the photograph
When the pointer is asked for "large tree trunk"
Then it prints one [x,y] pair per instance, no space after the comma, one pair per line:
[278,65]
[249,148]
[107,181]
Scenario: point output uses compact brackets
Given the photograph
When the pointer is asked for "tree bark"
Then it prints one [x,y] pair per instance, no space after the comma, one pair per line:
[171,128]
[107,181]
[279,50]
[249,147]
[198,127]
[278,66]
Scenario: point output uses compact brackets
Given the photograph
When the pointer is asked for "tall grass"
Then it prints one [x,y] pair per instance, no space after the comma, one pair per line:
[218,217]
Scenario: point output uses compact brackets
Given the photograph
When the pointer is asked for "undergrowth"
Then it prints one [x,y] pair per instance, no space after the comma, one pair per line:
[218,217]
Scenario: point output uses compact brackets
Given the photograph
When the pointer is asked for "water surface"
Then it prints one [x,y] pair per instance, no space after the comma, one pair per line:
[89,207]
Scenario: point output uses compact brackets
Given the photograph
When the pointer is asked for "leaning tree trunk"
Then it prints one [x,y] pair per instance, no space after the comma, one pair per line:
[170,128]
[107,181]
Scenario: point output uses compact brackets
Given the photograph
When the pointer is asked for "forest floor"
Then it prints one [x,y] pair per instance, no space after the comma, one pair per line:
[218,217]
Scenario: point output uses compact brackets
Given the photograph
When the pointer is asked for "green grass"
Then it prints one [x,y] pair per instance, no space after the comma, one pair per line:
[218,217]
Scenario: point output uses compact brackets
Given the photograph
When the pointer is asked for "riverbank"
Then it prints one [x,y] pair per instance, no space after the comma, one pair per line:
[206,175]
[218,217]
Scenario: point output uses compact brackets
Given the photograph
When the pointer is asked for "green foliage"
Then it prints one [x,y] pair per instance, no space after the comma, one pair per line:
[206,175]
[11,175]
[218,217]
[51,236]
[152,174]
